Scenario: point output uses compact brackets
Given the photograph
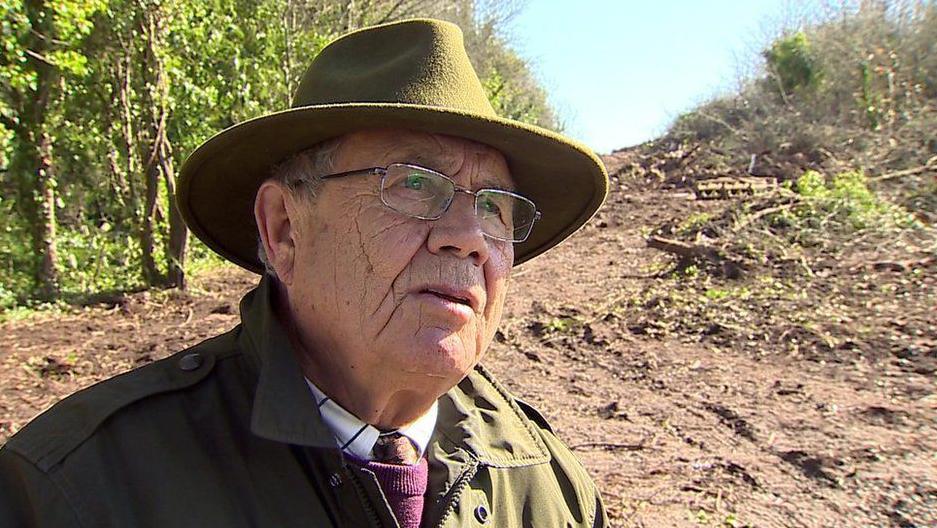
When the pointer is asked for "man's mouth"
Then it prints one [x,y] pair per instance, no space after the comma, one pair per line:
[449,297]
[459,297]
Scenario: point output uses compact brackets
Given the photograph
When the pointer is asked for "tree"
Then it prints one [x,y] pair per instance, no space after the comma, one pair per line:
[134,85]
[39,60]
[791,61]
[156,148]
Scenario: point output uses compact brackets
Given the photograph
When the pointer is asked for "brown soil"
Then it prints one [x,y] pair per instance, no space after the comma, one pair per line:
[682,422]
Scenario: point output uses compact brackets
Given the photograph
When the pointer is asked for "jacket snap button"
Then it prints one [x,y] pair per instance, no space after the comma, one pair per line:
[335,480]
[481,514]
[190,361]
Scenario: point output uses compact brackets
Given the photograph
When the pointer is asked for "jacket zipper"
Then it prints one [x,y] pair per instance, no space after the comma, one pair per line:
[363,497]
[451,499]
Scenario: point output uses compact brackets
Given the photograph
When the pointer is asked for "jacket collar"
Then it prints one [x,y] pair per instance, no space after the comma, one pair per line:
[284,408]
[477,416]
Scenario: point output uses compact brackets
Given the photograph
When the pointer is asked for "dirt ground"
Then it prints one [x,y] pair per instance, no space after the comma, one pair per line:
[678,428]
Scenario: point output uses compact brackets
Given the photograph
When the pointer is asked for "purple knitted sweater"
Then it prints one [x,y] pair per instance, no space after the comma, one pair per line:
[403,486]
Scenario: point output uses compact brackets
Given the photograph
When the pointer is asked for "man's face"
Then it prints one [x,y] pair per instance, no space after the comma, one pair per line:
[372,289]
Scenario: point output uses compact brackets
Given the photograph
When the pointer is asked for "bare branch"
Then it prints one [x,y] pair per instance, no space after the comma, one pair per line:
[388,16]
[32,54]
[609,446]
[682,249]
[930,165]
[764,212]
[44,38]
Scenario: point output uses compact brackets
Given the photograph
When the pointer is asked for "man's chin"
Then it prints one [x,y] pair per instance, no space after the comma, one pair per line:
[439,352]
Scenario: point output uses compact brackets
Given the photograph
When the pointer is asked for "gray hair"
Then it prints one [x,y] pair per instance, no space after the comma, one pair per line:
[302,174]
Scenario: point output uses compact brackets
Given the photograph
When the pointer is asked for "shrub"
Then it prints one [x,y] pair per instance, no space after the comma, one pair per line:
[791,60]
[848,202]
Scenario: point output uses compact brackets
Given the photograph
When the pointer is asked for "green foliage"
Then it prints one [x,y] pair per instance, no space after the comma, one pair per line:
[811,184]
[562,324]
[694,222]
[14,257]
[791,60]
[42,63]
[718,294]
[72,23]
[201,259]
[93,259]
[13,27]
[848,201]
[514,99]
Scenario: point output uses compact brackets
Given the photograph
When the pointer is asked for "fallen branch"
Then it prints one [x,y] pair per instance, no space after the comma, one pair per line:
[609,446]
[895,266]
[689,252]
[930,165]
[188,318]
[685,250]
[761,213]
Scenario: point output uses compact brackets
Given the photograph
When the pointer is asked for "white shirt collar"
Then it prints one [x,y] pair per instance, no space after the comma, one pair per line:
[357,438]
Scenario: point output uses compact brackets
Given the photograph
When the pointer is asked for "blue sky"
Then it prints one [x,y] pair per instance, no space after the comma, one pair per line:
[620,71]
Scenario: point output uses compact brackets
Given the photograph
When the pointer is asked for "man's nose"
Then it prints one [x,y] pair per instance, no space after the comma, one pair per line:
[459,231]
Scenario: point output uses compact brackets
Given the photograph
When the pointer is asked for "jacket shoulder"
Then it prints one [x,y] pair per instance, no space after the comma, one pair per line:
[55,433]
[534,415]
[531,417]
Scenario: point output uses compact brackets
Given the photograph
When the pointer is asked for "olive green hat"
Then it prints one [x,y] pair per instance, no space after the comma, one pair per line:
[411,75]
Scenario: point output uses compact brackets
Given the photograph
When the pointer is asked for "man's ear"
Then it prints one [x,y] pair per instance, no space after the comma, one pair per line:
[272,212]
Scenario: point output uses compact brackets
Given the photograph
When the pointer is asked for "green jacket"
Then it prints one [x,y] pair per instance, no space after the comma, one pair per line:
[226,434]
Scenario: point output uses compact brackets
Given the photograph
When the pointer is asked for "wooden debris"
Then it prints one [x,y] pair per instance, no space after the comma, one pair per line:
[688,253]
[761,213]
[930,165]
[729,187]
[685,250]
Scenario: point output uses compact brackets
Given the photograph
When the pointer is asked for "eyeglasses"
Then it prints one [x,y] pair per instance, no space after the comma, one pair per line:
[426,194]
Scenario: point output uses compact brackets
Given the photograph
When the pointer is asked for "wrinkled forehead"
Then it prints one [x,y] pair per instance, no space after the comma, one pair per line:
[469,163]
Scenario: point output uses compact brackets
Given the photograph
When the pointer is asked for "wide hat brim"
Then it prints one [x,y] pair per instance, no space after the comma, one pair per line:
[218,182]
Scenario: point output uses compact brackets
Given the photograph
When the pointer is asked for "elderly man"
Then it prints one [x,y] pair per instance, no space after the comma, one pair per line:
[351,393]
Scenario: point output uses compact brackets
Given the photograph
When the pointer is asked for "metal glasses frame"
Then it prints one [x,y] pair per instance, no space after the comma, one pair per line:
[382,171]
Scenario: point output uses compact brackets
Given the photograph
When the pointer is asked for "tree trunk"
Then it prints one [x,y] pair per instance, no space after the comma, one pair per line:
[156,159]
[32,163]
[178,233]
[149,145]
[126,127]
[34,146]
[151,274]
[44,228]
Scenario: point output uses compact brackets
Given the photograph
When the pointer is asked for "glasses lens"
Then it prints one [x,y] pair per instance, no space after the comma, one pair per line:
[505,215]
[416,191]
